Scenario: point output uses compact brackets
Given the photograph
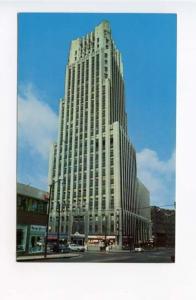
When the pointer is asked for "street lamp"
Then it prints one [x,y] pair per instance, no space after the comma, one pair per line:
[105,227]
[59,215]
[51,185]
[58,230]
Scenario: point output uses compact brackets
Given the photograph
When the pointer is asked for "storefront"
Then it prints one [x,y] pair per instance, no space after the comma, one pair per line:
[21,238]
[36,238]
[97,239]
[53,239]
[77,238]
[127,242]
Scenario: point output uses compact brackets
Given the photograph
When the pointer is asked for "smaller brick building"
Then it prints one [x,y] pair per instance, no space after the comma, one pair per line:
[163,226]
[31,219]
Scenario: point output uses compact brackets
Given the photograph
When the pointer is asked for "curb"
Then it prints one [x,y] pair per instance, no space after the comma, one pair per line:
[48,257]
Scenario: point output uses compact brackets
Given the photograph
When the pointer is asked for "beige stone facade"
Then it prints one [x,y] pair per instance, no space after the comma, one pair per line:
[92,170]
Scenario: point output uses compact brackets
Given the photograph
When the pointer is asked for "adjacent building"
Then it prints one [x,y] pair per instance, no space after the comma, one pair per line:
[95,193]
[31,219]
[143,225]
[163,226]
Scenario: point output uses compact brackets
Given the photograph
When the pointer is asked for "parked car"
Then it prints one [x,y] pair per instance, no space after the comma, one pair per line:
[126,247]
[64,248]
[61,248]
[138,249]
[49,248]
[77,248]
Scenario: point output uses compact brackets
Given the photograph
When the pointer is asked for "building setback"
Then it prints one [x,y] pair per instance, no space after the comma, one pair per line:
[92,169]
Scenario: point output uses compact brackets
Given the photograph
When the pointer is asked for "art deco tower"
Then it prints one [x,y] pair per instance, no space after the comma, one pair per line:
[93,164]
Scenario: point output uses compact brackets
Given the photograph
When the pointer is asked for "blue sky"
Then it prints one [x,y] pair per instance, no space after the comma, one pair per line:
[148,46]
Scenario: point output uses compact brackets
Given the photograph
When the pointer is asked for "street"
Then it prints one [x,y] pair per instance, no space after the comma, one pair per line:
[148,256]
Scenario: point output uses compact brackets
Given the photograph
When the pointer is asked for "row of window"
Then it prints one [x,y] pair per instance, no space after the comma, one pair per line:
[92,229]
[80,154]
[76,203]
[92,218]
[31,205]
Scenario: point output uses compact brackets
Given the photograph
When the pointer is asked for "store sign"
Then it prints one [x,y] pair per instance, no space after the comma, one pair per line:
[98,237]
[35,229]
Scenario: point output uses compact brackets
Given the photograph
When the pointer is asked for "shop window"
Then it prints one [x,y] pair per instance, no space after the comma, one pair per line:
[21,238]
[36,239]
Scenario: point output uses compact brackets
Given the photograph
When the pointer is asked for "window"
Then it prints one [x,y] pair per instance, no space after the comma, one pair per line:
[90,228]
[103,204]
[96,204]
[34,205]
[103,144]
[90,204]
[96,228]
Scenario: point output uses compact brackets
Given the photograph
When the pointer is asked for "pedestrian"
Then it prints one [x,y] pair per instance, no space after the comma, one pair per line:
[107,249]
[86,247]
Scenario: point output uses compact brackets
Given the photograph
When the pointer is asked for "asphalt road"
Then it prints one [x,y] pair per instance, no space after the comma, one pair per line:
[158,256]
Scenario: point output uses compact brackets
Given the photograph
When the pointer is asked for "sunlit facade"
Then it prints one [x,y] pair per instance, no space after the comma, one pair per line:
[92,170]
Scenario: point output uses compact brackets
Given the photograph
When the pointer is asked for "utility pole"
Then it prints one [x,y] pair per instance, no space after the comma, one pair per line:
[47,223]
[58,230]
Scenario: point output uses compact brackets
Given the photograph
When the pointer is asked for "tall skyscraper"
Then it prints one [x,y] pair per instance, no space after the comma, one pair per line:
[92,170]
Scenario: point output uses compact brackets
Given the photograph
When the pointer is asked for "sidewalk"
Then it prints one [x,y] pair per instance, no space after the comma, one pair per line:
[41,256]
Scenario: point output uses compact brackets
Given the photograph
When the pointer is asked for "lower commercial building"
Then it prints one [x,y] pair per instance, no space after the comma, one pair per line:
[143,225]
[163,226]
[31,219]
